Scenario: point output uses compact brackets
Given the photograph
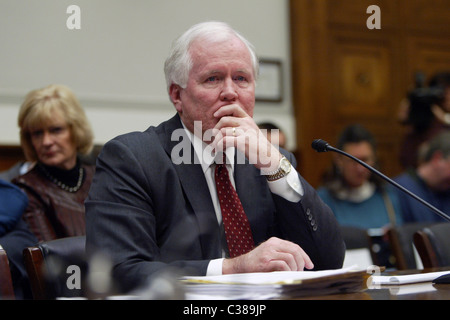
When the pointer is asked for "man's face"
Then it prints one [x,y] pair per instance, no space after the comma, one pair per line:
[221,74]
[441,167]
[355,174]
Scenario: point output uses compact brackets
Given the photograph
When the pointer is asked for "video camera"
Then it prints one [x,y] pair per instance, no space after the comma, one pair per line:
[421,99]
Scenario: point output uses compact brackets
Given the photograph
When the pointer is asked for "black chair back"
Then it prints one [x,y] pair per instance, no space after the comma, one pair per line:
[57,268]
[433,245]
[401,242]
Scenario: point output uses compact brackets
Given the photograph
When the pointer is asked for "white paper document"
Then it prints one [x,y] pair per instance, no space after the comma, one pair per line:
[407,279]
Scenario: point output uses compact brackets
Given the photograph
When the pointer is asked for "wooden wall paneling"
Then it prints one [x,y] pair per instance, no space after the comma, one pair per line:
[424,15]
[362,89]
[9,156]
[343,13]
[310,85]
[428,54]
[344,72]
[362,75]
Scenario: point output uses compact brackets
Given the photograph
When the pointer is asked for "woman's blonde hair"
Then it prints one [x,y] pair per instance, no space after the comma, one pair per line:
[39,108]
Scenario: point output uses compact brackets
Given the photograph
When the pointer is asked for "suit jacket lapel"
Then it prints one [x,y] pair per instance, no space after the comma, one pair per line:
[195,187]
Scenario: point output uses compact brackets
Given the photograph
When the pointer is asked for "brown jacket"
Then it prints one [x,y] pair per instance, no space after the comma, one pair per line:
[52,212]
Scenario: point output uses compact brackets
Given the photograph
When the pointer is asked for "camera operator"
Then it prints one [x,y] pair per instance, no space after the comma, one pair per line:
[426,112]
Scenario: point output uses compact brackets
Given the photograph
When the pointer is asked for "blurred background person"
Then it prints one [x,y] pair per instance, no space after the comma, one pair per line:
[426,113]
[15,236]
[430,181]
[13,202]
[274,134]
[16,170]
[14,242]
[357,197]
[54,131]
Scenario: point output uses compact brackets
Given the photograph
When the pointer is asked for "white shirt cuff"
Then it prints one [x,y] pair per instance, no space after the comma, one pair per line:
[288,187]
[214,267]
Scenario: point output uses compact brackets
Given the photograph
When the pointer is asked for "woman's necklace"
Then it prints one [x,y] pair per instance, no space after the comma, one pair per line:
[63,185]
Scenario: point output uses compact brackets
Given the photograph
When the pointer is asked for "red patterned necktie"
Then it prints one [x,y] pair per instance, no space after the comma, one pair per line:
[237,228]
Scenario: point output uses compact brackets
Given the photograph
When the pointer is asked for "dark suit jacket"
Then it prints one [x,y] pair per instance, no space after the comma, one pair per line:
[150,213]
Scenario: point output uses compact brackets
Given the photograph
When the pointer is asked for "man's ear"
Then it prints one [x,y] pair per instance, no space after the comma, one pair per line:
[175,96]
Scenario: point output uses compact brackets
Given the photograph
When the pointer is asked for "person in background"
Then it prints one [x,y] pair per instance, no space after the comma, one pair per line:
[16,170]
[357,197]
[13,202]
[430,181]
[14,242]
[274,133]
[15,235]
[54,130]
[155,202]
[426,113]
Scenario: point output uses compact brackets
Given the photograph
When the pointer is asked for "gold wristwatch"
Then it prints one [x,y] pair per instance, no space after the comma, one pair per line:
[284,167]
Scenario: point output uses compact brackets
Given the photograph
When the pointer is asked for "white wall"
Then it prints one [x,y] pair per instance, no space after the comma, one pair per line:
[114,63]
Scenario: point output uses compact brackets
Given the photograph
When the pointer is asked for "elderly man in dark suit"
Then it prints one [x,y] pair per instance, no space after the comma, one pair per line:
[154,203]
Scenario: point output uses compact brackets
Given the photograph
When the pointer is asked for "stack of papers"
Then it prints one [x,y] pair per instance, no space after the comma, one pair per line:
[273,285]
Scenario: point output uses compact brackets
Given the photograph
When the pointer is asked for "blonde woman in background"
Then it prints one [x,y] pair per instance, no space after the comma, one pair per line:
[54,132]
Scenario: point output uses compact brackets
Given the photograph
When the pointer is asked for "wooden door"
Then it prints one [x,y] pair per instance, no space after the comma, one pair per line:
[343,72]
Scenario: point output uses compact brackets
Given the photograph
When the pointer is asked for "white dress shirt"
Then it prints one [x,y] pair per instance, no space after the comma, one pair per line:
[288,187]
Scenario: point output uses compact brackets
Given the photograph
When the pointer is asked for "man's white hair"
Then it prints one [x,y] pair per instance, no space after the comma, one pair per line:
[179,63]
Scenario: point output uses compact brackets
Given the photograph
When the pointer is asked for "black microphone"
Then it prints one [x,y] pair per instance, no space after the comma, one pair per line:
[322,146]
